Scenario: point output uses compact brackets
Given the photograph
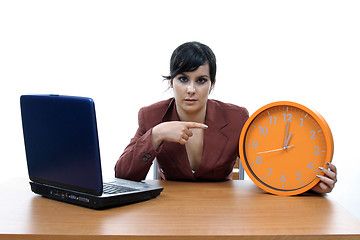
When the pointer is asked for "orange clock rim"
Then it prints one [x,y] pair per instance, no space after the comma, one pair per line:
[319,119]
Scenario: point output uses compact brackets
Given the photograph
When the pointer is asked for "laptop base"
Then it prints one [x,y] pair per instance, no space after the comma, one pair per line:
[90,201]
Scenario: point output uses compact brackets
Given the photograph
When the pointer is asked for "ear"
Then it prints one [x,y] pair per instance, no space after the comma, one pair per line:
[212,86]
[171,83]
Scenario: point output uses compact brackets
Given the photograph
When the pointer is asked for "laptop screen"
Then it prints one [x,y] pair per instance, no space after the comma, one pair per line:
[61,142]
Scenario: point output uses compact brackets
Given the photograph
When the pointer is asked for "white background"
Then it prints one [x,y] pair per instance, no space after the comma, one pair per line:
[117,51]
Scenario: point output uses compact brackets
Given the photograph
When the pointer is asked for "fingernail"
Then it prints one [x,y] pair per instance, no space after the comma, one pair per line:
[206,126]
[321,168]
[318,176]
[327,164]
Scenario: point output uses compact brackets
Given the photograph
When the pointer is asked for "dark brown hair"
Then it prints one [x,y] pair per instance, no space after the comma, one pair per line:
[189,56]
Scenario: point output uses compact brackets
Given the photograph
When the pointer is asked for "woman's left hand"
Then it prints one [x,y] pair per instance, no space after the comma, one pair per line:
[327,182]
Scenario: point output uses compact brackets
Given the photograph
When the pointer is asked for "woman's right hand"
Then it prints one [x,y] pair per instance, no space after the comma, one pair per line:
[175,131]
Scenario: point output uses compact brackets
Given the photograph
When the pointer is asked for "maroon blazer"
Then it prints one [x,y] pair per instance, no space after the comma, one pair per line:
[221,141]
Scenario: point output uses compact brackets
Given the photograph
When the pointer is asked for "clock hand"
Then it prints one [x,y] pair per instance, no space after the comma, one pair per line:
[288,139]
[275,150]
[286,133]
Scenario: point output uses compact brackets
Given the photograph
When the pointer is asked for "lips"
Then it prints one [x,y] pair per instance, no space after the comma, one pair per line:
[190,100]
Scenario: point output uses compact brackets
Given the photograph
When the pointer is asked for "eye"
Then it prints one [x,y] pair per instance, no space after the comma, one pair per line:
[202,80]
[183,79]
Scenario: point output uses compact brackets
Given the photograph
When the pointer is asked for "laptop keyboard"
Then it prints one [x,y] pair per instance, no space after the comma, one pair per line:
[115,189]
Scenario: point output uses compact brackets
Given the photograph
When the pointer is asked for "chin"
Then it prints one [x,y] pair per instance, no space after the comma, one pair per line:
[192,108]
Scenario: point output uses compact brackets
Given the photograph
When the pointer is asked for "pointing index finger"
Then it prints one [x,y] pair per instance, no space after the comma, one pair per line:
[196,125]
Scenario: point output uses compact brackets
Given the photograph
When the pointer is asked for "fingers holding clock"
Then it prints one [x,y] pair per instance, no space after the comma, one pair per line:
[328,181]
[330,172]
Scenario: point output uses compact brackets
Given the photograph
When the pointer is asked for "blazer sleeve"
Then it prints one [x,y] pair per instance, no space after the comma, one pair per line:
[137,158]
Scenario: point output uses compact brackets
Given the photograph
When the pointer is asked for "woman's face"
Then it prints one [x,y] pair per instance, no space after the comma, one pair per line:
[191,89]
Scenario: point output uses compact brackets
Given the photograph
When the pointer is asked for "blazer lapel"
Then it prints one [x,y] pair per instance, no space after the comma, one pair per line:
[215,137]
[176,150]
[170,113]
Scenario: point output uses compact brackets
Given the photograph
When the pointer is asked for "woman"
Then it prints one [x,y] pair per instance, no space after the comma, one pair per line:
[192,137]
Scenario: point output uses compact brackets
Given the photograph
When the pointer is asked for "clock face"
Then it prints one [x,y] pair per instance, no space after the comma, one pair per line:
[282,146]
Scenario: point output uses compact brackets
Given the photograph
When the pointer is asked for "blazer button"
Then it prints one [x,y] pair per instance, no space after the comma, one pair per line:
[146,157]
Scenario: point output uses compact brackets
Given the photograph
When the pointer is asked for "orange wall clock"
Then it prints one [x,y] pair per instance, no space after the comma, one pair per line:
[282,146]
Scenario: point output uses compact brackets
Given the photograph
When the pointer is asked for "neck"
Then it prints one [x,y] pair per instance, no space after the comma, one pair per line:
[198,116]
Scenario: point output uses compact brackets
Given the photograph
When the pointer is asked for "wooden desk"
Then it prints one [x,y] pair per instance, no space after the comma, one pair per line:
[225,210]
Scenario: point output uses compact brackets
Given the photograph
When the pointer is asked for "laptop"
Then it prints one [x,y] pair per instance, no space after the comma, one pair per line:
[63,156]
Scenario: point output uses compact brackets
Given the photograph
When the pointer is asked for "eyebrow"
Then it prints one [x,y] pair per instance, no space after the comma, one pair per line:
[201,76]
[204,76]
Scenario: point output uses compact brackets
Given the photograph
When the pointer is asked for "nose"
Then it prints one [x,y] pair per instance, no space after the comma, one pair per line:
[191,88]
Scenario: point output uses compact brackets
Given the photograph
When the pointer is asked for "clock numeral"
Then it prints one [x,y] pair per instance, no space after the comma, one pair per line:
[299,175]
[255,144]
[313,134]
[263,130]
[258,160]
[310,165]
[302,122]
[270,169]
[283,178]
[289,115]
[273,120]
[316,150]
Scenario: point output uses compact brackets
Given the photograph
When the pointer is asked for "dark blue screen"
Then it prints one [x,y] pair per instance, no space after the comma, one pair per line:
[61,141]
